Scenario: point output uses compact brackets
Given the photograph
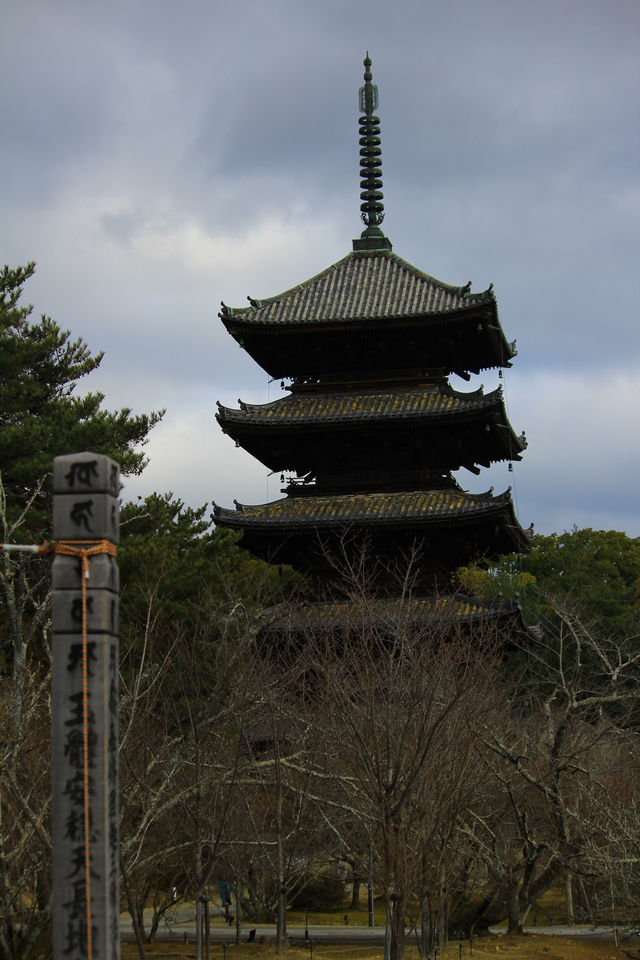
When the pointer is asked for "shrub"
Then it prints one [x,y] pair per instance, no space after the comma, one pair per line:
[319,893]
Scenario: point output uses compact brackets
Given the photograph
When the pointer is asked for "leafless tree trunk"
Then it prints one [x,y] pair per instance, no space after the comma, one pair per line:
[25,799]
[25,845]
[396,700]
[132,910]
[547,753]
[25,582]
[443,916]
[281,922]
[284,827]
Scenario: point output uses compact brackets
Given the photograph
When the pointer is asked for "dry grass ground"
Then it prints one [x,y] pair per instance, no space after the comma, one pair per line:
[529,947]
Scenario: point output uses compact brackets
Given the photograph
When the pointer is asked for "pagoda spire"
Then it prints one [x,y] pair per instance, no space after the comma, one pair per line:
[372,207]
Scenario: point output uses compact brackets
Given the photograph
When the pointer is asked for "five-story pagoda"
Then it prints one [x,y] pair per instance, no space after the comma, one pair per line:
[370,428]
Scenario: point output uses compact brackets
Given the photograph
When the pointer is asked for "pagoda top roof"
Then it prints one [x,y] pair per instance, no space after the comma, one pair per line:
[448,505]
[364,285]
[370,404]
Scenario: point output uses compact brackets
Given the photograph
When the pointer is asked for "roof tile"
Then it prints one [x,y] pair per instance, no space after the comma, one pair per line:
[341,614]
[367,405]
[419,505]
[371,284]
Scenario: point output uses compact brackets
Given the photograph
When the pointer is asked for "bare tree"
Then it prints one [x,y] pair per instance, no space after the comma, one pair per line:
[25,804]
[25,584]
[281,825]
[608,817]
[546,752]
[25,844]
[183,707]
[151,764]
[396,697]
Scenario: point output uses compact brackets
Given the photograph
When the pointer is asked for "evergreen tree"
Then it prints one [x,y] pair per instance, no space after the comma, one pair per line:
[184,576]
[41,416]
[595,573]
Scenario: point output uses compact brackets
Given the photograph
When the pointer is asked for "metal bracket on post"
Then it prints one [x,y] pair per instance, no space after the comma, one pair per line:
[84,706]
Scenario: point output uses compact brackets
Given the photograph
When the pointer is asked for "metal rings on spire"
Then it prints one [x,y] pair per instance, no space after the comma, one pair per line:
[372,207]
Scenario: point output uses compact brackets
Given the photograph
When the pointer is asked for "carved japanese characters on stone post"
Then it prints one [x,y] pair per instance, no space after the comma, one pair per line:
[86,900]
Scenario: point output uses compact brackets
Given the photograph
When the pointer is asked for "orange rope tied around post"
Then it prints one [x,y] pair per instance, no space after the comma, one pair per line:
[85,549]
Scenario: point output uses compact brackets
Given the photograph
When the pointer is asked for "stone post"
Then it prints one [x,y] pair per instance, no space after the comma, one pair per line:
[84,706]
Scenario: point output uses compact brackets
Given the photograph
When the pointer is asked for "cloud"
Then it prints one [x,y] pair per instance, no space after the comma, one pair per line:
[582,460]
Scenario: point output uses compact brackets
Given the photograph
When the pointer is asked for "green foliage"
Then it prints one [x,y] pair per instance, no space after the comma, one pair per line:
[180,575]
[594,572]
[160,532]
[503,579]
[40,414]
[164,551]
[250,578]
[319,893]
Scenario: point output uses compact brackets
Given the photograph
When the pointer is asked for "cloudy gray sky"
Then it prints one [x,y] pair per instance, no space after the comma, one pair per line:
[160,156]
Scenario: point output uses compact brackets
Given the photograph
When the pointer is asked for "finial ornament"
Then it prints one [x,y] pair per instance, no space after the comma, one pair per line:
[368,94]
[372,207]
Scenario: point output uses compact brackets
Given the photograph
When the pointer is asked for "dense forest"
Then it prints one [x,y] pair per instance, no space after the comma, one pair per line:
[460,771]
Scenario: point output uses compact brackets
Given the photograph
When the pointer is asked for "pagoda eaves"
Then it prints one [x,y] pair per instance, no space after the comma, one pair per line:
[344,616]
[464,526]
[306,430]
[377,304]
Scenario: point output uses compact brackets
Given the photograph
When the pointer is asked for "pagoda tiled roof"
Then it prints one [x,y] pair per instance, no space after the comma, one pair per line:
[381,404]
[344,615]
[417,507]
[363,285]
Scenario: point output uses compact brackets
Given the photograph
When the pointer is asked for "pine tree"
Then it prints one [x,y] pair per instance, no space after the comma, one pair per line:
[41,416]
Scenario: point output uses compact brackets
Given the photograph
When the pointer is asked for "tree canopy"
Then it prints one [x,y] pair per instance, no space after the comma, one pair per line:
[595,572]
[41,415]
[172,561]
